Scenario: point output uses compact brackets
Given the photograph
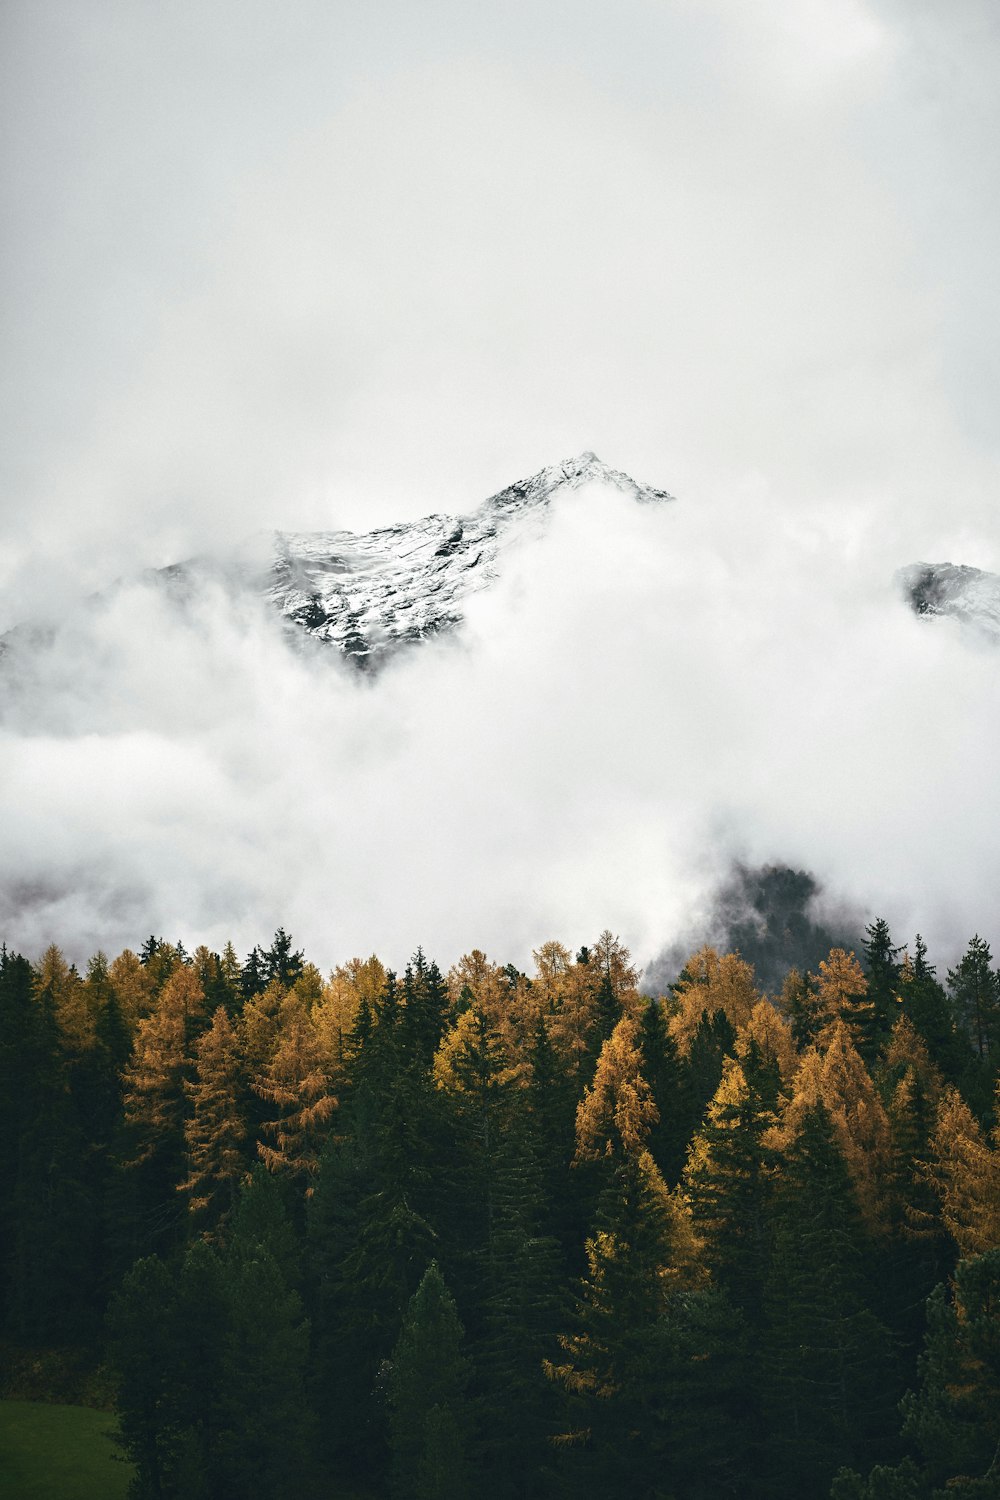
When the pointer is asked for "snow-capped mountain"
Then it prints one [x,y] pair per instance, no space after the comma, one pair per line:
[968,595]
[367,594]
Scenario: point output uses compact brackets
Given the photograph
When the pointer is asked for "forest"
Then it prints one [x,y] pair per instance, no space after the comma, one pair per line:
[514,1235]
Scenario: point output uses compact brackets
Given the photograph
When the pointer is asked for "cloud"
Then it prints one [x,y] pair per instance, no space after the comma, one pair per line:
[648,694]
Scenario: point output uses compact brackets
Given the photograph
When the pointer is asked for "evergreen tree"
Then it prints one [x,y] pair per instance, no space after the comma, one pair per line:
[883,973]
[801,1003]
[426,1382]
[976,991]
[142,1350]
[952,1423]
[51,1188]
[728,1180]
[713,1040]
[475,1085]
[666,1073]
[266,1427]
[928,1008]
[826,1354]
[524,1311]
[281,962]
[425,1006]
[609,1362]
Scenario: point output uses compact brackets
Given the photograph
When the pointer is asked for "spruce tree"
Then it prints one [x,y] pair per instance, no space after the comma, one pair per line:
[430,1422]
[883,973]
[666,1073]
[826,1355]
[729,1181]
[976,991]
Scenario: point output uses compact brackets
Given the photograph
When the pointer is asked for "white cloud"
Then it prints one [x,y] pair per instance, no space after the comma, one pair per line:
[646,694]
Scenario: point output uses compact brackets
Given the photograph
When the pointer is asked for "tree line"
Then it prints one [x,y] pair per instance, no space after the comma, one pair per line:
[517,1235]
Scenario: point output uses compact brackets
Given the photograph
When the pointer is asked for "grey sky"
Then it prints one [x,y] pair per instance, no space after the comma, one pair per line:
[335,264]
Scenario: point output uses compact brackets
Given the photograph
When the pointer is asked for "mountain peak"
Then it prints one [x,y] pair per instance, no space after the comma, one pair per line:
[369,593]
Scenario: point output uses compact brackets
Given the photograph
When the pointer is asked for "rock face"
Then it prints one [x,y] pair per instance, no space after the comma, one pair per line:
[370,594]
[968,595]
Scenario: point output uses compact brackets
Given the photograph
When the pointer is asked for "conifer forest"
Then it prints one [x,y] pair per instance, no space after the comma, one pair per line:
[513,1235]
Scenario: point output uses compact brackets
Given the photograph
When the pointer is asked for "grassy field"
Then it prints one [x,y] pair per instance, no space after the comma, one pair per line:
[58,1453]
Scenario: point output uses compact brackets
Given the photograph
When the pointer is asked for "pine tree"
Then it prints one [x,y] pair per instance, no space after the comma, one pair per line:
[883,978]
[728,1181]
[826,1354]
[976,991]
[524,1311]
[801,1003]
[430,1420]
[928,1008]
[425,1009]
[281,962]
[142,1350]
[661,1065]
[952,1423]
[475,1086]
[713,1041]
[607,1368]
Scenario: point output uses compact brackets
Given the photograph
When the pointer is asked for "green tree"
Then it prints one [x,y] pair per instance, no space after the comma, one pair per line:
[952,1423]
[976,992]
[883,973]
[826,1355]
[666,1073]
[728,1180]
[426,1384]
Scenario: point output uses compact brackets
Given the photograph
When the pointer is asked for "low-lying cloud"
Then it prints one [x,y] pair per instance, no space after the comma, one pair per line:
[646,695]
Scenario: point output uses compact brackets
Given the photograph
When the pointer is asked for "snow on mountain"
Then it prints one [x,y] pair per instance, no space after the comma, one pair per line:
[369,594]
[968,595]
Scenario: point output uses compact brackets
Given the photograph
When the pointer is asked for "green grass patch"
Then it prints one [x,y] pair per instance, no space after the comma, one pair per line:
[59,1453]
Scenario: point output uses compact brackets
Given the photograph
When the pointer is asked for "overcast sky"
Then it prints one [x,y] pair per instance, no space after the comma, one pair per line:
[336,263]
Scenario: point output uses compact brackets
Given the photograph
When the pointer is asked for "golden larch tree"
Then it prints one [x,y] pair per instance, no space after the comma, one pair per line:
[712,983]
[617,1112]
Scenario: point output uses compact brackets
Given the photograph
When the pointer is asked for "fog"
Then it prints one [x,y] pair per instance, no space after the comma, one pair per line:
[643,698]
[341,266]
